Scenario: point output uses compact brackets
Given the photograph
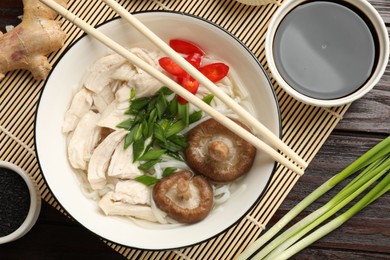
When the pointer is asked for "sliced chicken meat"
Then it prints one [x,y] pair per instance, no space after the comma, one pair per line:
[132,192]
[84,140]
[124,72]
[144,84]
[122,165]
[100,159]
[99,74]
[123,94]
[102,99]
[81,104]
[112,207]
[149,57]
[114,114]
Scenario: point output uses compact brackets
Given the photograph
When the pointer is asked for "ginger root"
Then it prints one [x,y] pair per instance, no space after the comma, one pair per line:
[27,45]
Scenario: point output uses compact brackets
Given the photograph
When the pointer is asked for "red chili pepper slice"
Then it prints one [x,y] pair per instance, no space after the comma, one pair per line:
[184,47]
[215,71]
[190,84]
[171,67]
[195,59]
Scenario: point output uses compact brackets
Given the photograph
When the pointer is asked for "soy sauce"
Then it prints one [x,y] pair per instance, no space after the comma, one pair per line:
[14,201]
[324,49]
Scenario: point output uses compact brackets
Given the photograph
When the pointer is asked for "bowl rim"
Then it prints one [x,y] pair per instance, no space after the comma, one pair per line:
[35,204]
[383,52]
[169,12]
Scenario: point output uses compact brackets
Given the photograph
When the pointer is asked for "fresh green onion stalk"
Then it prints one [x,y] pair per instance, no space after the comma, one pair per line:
[381,188]
[373,165]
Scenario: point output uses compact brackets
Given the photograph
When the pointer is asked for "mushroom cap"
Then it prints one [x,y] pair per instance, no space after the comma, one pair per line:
[217,153]
[185,197]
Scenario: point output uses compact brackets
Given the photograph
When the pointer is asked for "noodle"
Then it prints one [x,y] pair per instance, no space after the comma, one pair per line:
[221,193]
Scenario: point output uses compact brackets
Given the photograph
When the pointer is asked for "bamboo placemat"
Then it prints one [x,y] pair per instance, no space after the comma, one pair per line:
[305,128]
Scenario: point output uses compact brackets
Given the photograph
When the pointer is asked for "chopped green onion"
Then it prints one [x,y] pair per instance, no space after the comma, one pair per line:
[166,91]
[195,116]
[164,123]
[138,104]
[175,155]
[159,132]
[129,139]
[168,171]
[151,105]
[172,107]
[144,112]
[376,163]
[152,155]
[183,113]
[132,94]
[137,132]
[171,146]
[207,99]
[145,129]
[160,120]
[138,149]
[147,180]
[175,128]
[179,140]
[147,165]
[161,105]
[152,116]
[127,124]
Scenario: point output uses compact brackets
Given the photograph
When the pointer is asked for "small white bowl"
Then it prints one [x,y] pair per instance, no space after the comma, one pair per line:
[318,98]
[35,205]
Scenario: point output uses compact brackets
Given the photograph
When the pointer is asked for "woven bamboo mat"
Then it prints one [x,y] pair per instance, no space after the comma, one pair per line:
[305,128]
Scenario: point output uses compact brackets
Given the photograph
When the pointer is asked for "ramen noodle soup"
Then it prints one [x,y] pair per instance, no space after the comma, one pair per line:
[106,163]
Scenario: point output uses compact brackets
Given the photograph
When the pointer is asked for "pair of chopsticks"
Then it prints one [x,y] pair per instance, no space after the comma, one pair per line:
[295,163]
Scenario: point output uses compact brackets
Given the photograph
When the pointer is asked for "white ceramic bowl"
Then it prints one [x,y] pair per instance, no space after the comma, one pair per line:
[382,52]
[55,100]
[35,204]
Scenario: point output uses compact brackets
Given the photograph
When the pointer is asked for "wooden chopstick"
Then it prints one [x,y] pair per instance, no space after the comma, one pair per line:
[240,111]
[231,125]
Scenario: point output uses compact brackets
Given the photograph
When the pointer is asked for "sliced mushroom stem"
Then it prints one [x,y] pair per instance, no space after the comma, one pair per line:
[183,189]
[218,150]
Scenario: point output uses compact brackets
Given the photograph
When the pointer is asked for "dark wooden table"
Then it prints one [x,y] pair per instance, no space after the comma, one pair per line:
[365,236]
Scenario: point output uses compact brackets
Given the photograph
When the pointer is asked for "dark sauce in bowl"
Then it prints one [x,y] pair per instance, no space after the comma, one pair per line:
[14,201]
[324,50]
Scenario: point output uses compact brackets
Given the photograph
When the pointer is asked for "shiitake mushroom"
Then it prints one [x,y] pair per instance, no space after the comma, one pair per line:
[185,197]
[217,153]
